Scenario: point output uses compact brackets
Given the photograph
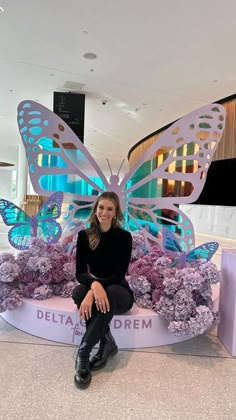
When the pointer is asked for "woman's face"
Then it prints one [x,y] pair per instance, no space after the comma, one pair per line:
[105,212]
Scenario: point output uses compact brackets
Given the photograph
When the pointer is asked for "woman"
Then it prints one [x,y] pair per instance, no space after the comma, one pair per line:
[103,256]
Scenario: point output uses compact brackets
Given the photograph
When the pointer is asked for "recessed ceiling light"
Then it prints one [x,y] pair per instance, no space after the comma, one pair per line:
[52,74]
[85,32]
[92,70]
[1,9]
[90,56]
[12,90]
[145,103]
[215,81]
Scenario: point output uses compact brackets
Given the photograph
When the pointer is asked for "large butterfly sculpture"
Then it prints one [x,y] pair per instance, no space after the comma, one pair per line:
[59,161]
[174,248]
[43,225]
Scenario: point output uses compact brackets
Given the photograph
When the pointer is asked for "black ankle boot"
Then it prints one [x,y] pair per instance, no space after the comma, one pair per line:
[107,348]
[83,375]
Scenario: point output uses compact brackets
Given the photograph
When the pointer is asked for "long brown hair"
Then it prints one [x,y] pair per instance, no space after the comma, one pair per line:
[94,232]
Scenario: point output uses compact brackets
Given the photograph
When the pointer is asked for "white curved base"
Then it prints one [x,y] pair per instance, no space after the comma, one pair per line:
[57,319]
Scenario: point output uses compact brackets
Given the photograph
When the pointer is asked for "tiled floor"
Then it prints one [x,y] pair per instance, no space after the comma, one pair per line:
[195,379]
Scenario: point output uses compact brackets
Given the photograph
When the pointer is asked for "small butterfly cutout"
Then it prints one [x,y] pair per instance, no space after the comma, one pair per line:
[43,225]
[173,247]
[180,156]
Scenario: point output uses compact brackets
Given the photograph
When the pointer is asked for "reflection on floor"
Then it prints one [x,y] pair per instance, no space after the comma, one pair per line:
[192,380]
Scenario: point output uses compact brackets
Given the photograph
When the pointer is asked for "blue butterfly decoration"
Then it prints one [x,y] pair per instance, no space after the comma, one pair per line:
[172,247]
[43,225]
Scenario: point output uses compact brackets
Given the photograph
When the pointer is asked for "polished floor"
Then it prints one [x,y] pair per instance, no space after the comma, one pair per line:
[192,380]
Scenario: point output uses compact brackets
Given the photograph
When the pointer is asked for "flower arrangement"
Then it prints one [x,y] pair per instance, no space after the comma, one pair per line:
[181,296]
[38,273]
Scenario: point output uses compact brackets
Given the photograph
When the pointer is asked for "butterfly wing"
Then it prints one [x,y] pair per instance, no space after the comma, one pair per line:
[181,157]
[12,215]
[148,218]
[206,251]
[169,243]
[57,160]
[191,141]
[51,208]
[49,231]
[19,235]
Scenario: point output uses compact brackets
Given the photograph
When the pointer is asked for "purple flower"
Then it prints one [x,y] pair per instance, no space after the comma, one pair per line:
[22,259]
[45,278]
[28,289]
[69,271]
[11,302]
[42,292]
[8,272]
[144,301]
[64,289]
[27,276]
[172,285]
[43,265]
[191,278]
[140,285]
[9,297]
[209,271]
[32,264]
[7,257]
[156,294]
[196,325]
[37,247]
[165,308]
[162,262]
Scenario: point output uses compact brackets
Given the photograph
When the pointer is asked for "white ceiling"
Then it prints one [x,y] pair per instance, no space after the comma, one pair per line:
[157,60]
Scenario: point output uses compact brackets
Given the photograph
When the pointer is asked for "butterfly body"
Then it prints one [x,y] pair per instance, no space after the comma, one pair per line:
[59,161]
[43,225]
[34,225]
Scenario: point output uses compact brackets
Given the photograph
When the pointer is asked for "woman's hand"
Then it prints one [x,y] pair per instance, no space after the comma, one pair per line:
[85,310]
[101,301]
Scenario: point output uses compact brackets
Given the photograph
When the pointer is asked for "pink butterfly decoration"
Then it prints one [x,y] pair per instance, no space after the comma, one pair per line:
[55,154]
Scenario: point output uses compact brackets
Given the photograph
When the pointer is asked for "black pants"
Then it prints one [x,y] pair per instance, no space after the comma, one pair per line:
[120,300]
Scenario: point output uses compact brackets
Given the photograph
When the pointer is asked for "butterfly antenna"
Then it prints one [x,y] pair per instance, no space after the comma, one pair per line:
[109,165]
[122,163]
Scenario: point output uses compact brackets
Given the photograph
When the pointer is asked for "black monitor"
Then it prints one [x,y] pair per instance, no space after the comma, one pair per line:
[70,108]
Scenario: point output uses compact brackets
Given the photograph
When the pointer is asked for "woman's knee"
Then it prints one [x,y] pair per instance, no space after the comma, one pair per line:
[119,298]
[79,293]
[114,291]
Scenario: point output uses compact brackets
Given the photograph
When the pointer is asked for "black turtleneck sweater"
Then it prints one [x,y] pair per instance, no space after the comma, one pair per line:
[108,262]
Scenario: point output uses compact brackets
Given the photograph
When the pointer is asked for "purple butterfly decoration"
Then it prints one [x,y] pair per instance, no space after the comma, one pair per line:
[58,160]
[43,225]
[174,248]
